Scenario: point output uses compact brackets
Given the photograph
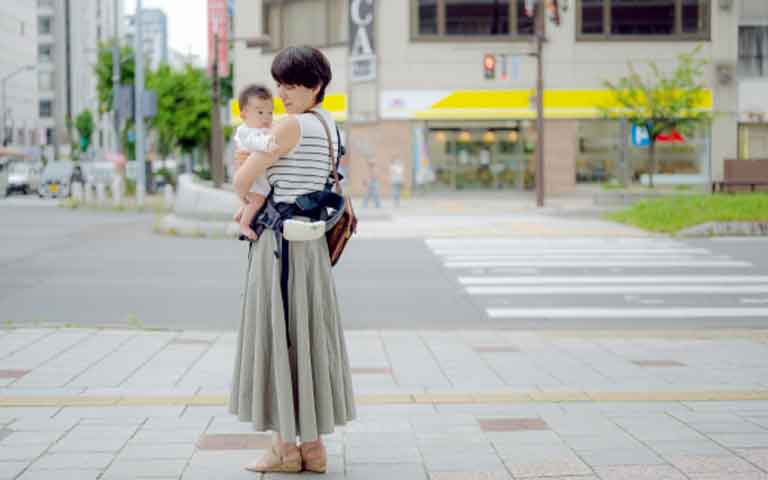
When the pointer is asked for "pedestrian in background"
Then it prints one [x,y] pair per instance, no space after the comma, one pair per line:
[396,171]
[372,186]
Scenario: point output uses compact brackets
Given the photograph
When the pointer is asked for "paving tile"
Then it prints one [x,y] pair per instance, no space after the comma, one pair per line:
[728,476]
[611,457]
[10,453]
[234,441]
[639,472]
[84,445]
[30,438]
[495,348]
[10,373]
[173,451]
[72,461]
[525,437]
[757,456]
[467,461]
[741,440]
[11,469]
[43,425]
[145,468]
[658,363]
[61,475]
[719,464]
[668,448]
[470,475]
[5,432]
[512,424]
[553,467]
[392,454]
[385,472]
[165,437]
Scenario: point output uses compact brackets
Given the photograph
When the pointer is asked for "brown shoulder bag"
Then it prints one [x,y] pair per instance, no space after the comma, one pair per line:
[338,236]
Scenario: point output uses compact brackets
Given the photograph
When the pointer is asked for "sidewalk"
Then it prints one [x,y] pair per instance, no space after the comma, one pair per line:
[119,404]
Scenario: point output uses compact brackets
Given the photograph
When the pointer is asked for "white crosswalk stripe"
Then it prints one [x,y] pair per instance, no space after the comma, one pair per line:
[602,278]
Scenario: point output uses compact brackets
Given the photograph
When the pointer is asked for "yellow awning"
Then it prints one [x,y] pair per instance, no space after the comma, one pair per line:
[511,104]
[336,103]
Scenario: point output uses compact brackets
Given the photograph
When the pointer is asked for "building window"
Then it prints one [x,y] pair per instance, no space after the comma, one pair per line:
[470,19]
[46,108]
[753,51]
[45,53]
[49,136]
[306,22]
[623,19]
[44,25]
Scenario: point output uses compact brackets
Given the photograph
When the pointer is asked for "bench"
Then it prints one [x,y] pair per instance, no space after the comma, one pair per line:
[743,173]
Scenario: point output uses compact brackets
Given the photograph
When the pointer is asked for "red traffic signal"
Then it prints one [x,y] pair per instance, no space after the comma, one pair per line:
[489,66]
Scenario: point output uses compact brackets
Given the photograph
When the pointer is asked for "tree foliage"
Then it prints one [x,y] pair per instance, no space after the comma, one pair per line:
[85,127]
[104,72]
[663,102]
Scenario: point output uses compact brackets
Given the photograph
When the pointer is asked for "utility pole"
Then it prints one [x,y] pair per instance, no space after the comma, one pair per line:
[539,38]
[141,177]
[116,76]
[217,142]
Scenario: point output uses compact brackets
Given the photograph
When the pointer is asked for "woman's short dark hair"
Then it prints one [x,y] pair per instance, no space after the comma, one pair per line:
[305,66]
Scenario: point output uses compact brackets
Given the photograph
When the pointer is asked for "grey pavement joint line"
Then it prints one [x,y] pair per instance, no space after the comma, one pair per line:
[388,357]
[120,450]
[148,359]
[50,446]
[198,359]
[102,358]
[435,358]
[734,451]
[30,343]
[207,426]
[61,352]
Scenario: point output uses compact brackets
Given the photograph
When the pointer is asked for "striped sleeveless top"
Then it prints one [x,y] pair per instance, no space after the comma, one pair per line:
[304,169]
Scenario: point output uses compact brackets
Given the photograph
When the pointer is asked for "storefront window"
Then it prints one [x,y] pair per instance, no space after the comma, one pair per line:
[605,154]
[494,155]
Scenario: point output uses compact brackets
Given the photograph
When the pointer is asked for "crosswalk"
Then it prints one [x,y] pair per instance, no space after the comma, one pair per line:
[602,278]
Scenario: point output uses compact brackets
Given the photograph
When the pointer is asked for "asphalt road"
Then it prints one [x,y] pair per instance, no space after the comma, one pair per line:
[98,268]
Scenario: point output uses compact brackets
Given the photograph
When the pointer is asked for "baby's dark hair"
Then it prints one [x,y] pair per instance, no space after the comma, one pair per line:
[258,91]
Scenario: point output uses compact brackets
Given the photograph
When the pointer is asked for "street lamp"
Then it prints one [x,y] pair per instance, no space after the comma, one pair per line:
[217,140]
[4,81]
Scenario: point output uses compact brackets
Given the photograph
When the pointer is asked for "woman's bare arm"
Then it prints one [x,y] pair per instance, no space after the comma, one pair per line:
[287,135]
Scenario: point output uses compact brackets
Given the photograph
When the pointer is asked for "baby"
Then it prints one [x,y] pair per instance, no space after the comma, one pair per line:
[256,108]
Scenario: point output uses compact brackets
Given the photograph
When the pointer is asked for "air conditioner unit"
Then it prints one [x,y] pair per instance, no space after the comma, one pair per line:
[726,5]
[725,74]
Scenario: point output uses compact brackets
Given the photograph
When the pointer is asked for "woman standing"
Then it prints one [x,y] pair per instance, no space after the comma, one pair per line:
[291,375]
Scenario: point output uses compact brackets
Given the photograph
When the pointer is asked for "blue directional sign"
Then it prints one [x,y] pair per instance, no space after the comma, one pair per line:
[640,136]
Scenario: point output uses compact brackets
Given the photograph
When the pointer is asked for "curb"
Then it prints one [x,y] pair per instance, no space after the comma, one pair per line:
[726,229]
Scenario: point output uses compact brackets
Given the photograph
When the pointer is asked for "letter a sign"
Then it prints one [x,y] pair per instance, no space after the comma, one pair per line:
[362,56]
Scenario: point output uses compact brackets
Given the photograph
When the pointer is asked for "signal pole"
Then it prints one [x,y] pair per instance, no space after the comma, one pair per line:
[539,37]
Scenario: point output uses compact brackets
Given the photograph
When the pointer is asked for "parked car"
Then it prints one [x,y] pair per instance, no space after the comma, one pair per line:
[23,177]
[56,179]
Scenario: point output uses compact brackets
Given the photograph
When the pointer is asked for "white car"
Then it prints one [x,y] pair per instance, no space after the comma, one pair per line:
[23,178]
[56,179]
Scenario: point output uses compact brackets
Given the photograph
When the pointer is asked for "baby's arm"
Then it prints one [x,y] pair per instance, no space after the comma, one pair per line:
[256,141]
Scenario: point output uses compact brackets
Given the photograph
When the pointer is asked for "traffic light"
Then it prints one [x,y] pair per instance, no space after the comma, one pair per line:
[489,66]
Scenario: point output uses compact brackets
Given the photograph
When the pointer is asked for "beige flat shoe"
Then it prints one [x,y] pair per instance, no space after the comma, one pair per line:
[316,464]
[272,461]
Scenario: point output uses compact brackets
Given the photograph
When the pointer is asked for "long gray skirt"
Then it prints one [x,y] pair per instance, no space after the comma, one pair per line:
[304,390]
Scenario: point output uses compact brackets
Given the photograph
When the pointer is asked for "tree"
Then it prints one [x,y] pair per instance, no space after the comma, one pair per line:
[192,109]
[85,126]
[104,72]
[164,82]
[663,103]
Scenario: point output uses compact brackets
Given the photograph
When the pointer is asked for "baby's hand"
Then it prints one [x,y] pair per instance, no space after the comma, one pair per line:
[238,215]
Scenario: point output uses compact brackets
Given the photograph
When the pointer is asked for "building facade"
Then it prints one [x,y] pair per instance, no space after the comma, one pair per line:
[69,35]
[431,103]
[19,103]
[154,34]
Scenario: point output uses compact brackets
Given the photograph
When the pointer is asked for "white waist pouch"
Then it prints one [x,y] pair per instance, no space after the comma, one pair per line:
[302,231]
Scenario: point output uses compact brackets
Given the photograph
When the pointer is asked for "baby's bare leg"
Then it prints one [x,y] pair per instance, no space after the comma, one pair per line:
[255,201]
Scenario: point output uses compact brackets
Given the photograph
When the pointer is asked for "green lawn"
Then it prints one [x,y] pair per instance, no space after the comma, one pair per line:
[672,214]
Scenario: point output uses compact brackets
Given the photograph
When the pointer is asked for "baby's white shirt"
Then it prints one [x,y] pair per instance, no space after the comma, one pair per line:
[254,140]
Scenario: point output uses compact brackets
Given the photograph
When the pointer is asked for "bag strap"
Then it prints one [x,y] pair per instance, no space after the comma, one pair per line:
[331,154]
